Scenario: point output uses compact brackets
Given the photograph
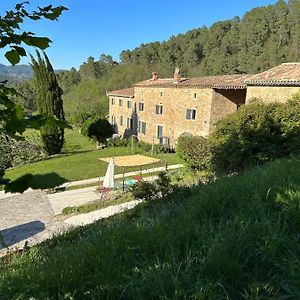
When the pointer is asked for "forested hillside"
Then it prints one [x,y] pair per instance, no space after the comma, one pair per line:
[263,38]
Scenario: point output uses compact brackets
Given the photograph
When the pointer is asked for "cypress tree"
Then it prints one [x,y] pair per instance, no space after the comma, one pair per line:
[49,102]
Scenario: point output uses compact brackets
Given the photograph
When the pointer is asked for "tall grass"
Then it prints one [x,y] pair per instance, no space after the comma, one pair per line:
[237,238]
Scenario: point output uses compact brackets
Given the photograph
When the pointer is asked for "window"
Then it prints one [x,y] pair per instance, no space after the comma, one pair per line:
[121,120]
[129,104]
[120,102]
[112,101]
[161,94]
[142,127]
[195,95]
[191,114]
[159,131]
[159,109]
[141,106]
[113,120]
[129,123]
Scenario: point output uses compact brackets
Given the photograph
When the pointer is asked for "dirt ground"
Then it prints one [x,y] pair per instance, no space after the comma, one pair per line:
[131,160]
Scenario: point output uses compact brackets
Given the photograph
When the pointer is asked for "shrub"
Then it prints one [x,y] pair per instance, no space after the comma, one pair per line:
[100,129]
[157,148]
[195,151]
[6,153]
[15,152]
[117,142]
[256,133]
[163,183]
[144,190]
[123,142]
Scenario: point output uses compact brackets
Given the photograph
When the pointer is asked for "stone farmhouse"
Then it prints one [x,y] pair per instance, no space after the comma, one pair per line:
[161,110]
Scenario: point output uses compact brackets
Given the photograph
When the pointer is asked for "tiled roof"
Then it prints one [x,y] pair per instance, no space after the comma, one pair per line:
[287,74]
[129,93]
[236,81]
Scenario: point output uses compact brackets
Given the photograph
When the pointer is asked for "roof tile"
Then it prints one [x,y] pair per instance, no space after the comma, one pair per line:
[236,81]
[286,74]
[128,93]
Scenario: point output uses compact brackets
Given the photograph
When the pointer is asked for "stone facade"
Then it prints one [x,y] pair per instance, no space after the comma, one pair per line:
[174,102]
[271,93]
[225,102]
[182,110]
[121,110]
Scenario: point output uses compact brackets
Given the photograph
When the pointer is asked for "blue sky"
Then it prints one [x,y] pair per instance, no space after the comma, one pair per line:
[92,27]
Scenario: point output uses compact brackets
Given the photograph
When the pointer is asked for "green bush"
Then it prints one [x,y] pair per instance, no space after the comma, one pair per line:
[123,142]
[117,142]
[100,129]
[163,183]
[144,190]
[5,153]
[195,151]
[256,133]
[15,152]
[157,148]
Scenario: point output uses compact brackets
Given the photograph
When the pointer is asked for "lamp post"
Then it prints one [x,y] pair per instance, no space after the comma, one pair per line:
[133,135]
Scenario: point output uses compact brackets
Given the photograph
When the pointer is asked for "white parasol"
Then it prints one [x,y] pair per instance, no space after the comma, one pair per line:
[108,181]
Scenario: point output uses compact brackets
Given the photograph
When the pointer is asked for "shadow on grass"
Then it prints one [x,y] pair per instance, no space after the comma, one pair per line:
[21,232]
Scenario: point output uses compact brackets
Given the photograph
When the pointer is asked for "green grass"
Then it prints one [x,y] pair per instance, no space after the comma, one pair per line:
[84,165]
[74,141]
[85,208]
[237,238]
[79,159]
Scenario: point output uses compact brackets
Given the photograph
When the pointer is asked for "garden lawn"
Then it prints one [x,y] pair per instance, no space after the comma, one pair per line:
[77,166]
[79,159]
[236,238]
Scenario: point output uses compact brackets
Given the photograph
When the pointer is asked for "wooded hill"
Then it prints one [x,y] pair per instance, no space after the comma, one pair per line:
[263,38]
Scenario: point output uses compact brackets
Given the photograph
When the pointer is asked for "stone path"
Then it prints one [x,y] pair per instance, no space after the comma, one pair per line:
[22,216]
[55,228]
[71,198]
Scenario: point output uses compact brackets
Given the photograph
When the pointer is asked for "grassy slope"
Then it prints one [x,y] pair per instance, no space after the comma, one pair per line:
[80,160]
[237,238]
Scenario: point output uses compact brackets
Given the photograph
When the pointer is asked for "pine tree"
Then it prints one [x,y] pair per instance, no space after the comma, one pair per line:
[49,102]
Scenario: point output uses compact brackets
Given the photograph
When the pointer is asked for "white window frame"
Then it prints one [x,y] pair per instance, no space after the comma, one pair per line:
[157,131]
[141,106]
[159,108]
[191,114]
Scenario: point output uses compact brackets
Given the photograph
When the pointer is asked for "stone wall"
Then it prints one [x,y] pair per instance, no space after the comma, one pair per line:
[115,110]
[225,102]
[271,93]
[175,102]
[210,106]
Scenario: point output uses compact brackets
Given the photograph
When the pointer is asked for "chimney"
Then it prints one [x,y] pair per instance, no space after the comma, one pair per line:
[154,76]
[177,75]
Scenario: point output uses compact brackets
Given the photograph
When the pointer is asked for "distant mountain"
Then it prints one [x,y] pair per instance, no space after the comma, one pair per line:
[15,73]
